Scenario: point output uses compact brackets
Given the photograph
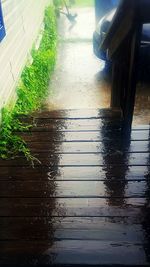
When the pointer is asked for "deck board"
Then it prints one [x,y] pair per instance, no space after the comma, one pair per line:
[102,229]
[74,189]
[72,207]
[94,136]
[88,147]
[79,173]
[79,252]
[116,158]
[86,203]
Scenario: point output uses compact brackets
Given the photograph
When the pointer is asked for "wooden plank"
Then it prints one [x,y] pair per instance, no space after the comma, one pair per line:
[78,114]
[138,127]
[47,124]
[120,27]
[95,159]
[144,11]
[42,173]
[122,31]
[73,189]
[82,136]
[78,125]
[131,85]
[116,158]
[68,223]
[116,84]
[74,252]
[102,229]
[73,125]
[89,147]
[130,209]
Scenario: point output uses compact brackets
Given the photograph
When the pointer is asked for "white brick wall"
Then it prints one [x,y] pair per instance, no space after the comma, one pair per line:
[23,19]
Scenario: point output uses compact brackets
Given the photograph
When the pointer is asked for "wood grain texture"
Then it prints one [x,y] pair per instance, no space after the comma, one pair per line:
[74,252]
[83,136]
[79,173]
[116,158]
[128,208]
[74,189]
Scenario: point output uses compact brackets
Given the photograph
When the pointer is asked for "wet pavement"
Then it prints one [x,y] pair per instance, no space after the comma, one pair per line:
[80,80]
[77,81]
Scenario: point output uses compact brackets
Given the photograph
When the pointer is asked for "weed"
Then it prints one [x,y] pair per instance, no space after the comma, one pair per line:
[31,91]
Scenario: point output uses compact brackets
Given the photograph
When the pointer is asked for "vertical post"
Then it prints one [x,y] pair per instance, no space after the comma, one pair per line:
[132,79]
[116,85]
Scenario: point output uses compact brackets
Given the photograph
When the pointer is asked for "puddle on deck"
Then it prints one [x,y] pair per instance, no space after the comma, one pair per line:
[79,80]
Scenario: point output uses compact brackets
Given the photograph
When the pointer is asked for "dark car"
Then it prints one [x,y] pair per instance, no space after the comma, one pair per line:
[103,27]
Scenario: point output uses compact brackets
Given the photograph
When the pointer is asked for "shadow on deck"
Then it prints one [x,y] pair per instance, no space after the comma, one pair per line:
[88,201]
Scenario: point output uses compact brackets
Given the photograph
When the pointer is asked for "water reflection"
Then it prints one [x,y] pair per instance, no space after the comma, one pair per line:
[116,183]
[35,212]
[146,210]
[116,164]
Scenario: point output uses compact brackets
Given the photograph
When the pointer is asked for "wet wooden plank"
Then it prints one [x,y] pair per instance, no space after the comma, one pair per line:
[129,209]
[40,125]
[93,123]
[140,127]
[89,147]
[106,125]
[61,223]
[82,136]
[77,252]
[70,208]
[50,159]
[43,173]
[102,229]
[106,159]
[79,113]
[74,189]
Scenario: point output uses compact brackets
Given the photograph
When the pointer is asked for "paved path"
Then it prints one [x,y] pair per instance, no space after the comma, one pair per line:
[79,80]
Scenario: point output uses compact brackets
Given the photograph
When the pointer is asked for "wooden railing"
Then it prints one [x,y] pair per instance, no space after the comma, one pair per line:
[122,43]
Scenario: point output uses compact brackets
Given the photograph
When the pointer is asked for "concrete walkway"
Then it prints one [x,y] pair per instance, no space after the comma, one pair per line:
[79,80]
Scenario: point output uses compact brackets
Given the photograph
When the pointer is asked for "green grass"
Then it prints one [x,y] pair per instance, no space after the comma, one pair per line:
[32,90]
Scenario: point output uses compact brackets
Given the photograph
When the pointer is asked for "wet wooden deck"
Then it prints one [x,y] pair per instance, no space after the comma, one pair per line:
[87,203]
